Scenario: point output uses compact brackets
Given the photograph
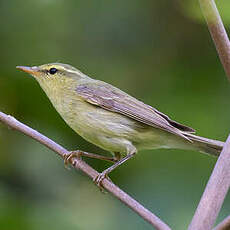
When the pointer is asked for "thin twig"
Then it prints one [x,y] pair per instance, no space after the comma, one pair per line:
[79,164]
[224,225]
[218,32]
[214,194]
[219,182]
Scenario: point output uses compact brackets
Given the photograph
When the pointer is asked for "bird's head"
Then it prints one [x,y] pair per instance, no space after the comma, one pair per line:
[54,73]
[56,79]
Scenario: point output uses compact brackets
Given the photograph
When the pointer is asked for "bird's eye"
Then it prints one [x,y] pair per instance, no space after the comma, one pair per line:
[53,70]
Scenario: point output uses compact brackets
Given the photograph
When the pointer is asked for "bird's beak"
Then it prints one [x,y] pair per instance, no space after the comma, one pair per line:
[34,71]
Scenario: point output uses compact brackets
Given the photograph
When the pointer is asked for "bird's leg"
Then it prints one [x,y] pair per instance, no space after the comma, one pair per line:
[104,174]
[117,156]
[68,157]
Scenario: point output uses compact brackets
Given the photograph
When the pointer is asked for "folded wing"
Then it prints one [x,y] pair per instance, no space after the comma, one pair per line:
[111,98]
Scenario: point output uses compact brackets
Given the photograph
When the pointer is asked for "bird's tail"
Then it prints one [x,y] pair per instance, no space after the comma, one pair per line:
[206,145]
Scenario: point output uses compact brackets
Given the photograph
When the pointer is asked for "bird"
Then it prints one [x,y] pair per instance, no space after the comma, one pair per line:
[112,119]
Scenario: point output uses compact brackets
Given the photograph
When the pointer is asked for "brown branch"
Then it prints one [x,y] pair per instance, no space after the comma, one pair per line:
[224,225]
[219,182]
[79,164]
[218,32]
[214,194]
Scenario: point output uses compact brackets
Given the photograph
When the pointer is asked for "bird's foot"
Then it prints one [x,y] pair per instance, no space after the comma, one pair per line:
[98,180]
[68,157]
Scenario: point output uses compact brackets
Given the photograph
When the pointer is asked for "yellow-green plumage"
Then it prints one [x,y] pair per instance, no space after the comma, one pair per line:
[110,118]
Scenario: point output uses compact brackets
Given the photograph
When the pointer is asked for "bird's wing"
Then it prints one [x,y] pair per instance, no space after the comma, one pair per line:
[111,98]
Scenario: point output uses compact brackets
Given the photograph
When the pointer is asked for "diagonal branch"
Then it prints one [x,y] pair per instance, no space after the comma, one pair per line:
[219,182]
[214,194]
[218,32]
[224,225]
[79,164]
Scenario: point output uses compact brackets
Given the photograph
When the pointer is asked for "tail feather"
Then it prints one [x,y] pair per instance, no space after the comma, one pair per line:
[206,145]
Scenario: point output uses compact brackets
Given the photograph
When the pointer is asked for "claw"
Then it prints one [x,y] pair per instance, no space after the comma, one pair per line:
[68,157]
[98,181]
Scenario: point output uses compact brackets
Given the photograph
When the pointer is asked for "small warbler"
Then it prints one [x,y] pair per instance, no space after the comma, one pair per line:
[110,118]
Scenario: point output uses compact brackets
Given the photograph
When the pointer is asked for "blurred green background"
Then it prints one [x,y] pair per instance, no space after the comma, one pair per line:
[158,51]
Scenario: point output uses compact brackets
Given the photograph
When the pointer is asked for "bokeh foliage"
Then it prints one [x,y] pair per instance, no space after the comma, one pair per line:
[159,52]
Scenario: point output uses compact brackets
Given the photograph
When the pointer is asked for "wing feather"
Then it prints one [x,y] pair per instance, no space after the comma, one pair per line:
[111,98]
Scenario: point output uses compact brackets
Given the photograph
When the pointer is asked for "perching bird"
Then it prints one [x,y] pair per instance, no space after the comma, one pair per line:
[110,118]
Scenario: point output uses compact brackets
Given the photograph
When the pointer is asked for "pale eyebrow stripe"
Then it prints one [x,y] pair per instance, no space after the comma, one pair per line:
[73,71]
